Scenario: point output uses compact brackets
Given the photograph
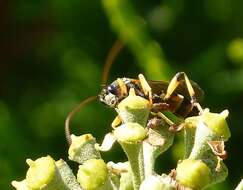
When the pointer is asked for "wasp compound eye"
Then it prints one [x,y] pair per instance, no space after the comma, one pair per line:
[112,89]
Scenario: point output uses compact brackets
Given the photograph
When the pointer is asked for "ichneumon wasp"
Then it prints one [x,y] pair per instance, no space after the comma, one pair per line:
[180,96]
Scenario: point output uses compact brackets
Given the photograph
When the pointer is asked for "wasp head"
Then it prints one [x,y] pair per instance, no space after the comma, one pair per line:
[108,96]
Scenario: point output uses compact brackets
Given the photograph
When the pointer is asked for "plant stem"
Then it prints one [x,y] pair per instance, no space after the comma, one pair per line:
[133,31]
[134,153]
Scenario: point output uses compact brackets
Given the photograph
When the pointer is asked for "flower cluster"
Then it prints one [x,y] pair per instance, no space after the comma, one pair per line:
[202,166]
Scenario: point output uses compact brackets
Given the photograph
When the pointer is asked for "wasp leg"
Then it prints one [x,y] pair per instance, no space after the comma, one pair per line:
[173,126]
[176,80]
[166,119]
[117,121]
[146,88]
[176,128]
[122,86]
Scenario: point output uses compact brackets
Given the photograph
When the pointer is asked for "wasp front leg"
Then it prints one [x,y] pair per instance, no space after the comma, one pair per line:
[161,119]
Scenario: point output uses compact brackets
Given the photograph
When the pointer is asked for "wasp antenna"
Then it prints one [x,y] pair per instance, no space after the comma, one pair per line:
[70,115]
[113,53]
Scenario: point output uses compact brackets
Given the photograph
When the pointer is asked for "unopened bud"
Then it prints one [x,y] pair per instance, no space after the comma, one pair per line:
[134,109]
[194,174]
[217,122]
[92,174]
[130,133]
[41,173]
[83,148]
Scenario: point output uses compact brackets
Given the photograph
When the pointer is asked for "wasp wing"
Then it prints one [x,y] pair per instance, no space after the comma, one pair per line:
[161,86]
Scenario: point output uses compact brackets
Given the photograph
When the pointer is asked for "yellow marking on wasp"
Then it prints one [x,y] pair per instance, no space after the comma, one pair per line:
[122,86]
[117,121]
[146,88]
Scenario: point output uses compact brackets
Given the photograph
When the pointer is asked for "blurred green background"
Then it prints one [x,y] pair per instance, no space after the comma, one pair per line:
[52,55]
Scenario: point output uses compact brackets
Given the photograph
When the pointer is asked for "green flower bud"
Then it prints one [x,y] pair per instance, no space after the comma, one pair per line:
[134,109]
[217,122]
[134,102]
[92,174]
[194,174]
[130,133]
[83,148]
[41,174]
[202,129]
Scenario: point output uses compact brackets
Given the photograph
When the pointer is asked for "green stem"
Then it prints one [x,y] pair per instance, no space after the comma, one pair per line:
[133,31]
[149,159]
[158,141]
[134,153]
[67,176]
[189,137]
